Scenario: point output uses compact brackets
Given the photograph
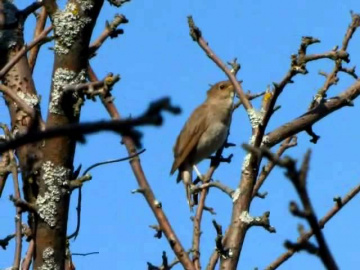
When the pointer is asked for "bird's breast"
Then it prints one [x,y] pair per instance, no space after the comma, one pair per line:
[211,140]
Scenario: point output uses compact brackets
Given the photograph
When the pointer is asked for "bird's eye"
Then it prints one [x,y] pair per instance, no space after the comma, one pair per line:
[222,86]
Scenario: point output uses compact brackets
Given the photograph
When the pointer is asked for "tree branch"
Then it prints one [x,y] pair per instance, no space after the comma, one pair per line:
[147,192]
[196,35]
[39,28]
[110,31]
[78,208]
[266,170]
[311,117]
[322,222]
[40,39]
[298,179]
[125,127]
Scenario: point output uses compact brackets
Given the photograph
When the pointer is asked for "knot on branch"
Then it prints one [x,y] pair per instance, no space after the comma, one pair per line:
[340,55]
[295,210]
[165,263]
[305,42]
[24,206]
[224,253]
[304,245]
[195,32]
[158,230]
[112,27]
[261,195]
[314,136]
[235,66]
[338,201]
[77,183]
[117,3]
[262,221]
[355,19]
[297,65]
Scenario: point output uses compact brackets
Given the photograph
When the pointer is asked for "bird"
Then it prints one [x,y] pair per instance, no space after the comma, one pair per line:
[204,133]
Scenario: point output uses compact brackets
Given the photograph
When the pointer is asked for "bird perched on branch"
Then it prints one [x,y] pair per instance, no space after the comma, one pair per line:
[203,133]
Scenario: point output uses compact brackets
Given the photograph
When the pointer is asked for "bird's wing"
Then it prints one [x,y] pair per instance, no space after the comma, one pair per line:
[193,129]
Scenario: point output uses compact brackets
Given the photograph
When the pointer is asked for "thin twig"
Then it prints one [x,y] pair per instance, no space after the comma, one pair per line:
[215,162]
[338,56]
[250,97]
[110,31]
[85,254]
[308,119]
[18,215]
[30,9]
[42,38]
[288,143]
[322,222]
[298,179]
[216,184]
[4,170]
[78,208]
[196,35]
[26,263]
[18,218]
[147,192]
[39,28]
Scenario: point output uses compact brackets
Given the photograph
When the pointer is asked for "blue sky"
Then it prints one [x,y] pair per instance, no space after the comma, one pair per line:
[157,58]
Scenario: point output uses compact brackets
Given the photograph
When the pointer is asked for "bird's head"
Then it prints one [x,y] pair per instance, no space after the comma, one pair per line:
[221,91]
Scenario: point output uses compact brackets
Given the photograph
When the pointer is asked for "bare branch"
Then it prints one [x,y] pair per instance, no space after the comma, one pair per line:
[30,9]
[217,184]
[266,170]
[113,161]
[25,265]
[4,170]
[77,183]
[146,190]
[196,35]
[125,127]
[86,254]
[23,205]
[18,217]
[39,28]
[324,220]
[110,31]
[338,56]
[215,162]
[250,97]
[78,208]
[225,253]
[40,39]
[311,117]
[262,221]
[298,179]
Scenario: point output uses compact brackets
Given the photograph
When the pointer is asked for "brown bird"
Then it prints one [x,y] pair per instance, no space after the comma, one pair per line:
[203,133]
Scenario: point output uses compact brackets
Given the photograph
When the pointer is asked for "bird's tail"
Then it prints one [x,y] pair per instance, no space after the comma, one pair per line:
[186,176]
[188,197]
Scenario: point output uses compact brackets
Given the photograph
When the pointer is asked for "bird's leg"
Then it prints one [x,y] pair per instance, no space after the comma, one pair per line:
[198,173]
